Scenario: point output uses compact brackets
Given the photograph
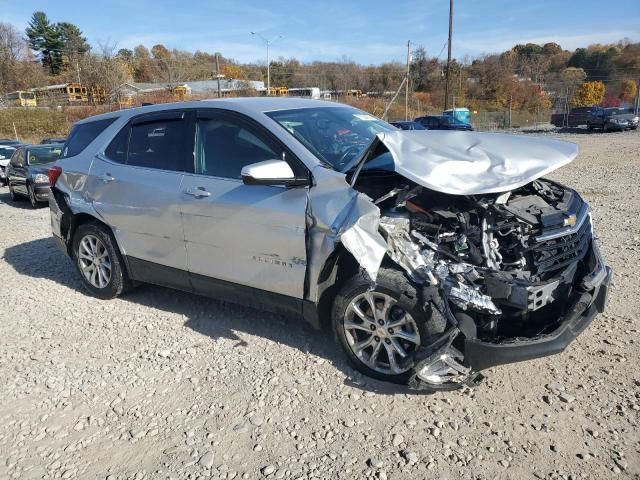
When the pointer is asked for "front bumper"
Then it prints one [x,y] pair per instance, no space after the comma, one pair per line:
[590,300]
[41,192]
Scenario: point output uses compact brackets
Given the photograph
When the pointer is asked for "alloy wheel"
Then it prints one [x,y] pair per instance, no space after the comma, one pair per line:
[381,333]
[94,261]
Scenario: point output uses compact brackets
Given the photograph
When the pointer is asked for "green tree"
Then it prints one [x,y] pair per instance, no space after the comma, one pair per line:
[73,43]
[44,38]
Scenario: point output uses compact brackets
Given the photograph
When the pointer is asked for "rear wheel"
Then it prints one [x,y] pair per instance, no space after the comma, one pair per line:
[381,329]
[12,194]
[98,260]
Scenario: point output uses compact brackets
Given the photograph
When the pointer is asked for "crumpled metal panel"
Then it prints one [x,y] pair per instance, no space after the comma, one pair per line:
[360,235]
[470,163]
[338,213]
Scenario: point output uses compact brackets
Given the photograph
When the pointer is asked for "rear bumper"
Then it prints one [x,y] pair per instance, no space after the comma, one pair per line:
[585,306]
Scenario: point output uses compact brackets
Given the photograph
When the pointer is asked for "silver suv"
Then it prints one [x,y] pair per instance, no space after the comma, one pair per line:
[434,255]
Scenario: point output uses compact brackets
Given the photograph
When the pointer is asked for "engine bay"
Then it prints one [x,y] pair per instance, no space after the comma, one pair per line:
[496,267]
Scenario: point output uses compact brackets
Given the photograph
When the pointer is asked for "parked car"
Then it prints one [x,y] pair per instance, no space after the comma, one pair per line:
[5,155]
[27,172]
[612,119]
[577,117]
[8,141]
[433,256]
[442,122]
[409,125]
[50,140]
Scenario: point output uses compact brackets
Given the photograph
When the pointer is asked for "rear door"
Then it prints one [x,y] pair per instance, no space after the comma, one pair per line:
[17,171]
[135,186]
[251,235]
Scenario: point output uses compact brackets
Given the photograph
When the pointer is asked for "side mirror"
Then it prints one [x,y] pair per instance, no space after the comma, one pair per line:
[271,172]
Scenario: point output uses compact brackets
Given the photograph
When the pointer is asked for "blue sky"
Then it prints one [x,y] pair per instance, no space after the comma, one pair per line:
[367,31]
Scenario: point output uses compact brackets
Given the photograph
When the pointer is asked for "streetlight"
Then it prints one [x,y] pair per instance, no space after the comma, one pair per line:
[268,43]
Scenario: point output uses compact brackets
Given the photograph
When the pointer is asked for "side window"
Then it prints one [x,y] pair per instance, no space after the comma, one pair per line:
[17,159]
[82,135]
[156,144]
[117,149]
[226,144]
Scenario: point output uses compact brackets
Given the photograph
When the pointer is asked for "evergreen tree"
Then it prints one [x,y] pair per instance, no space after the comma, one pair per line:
[44,38]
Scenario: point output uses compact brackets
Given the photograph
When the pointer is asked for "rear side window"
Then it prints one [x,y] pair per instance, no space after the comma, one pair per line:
[83,134]
[158,143]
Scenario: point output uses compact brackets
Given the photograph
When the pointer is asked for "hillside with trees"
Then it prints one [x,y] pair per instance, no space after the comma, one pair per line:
[528,77]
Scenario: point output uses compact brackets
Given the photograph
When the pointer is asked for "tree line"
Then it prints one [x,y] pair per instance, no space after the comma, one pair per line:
[527,77]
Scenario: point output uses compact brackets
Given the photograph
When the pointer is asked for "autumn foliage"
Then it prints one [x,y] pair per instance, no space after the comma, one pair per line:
[589,93]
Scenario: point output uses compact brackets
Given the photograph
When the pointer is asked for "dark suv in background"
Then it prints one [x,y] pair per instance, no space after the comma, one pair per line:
[613,118]
[443,122]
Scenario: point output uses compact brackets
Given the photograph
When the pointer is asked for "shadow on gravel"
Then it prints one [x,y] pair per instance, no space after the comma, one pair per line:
[22,203]
[216,319]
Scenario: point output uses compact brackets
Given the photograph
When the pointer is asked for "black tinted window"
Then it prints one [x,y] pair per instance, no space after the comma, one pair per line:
[82,135]
[158,144]
[117,149]
[226,144]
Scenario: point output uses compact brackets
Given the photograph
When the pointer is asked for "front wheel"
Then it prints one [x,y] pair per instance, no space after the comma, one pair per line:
[32,196]
[381,329]
[98,260]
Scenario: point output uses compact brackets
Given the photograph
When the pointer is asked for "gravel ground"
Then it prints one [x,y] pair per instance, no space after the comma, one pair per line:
[162,384]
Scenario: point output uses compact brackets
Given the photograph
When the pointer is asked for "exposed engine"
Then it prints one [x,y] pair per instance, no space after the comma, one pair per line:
[495,266]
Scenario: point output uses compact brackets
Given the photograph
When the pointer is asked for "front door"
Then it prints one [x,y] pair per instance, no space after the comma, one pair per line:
[250,235]
[136,188]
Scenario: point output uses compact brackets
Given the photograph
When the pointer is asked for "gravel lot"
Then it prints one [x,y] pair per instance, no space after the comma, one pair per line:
[162,384]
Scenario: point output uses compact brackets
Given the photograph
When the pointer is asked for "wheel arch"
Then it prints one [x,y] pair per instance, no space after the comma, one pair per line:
[340,266]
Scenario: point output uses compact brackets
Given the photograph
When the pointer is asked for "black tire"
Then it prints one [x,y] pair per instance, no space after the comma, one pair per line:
[32,197]
[605,129]
[589,127]
[119,281]
[395,284]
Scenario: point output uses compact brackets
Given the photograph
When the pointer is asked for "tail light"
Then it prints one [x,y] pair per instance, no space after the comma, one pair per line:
[54,173]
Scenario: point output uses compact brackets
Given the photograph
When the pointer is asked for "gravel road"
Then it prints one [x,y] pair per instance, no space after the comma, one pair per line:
[162,384]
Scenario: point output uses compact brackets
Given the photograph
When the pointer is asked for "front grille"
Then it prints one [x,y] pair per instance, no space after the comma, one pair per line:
[552,255]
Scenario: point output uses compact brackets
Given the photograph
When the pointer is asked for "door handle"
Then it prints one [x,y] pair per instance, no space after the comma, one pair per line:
[107,177]
[197,192]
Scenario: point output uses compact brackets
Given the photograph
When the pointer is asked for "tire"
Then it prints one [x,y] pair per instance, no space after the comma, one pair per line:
[589,127]
[605,129]
[390,283]
[118,281]
[32,197]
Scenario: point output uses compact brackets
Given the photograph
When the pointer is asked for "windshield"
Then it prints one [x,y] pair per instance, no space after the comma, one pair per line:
[336,135]
[42,155]
[6,152]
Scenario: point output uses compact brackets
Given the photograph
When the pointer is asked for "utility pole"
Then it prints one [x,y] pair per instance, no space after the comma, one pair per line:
[510,104]
[218,75]
[446,86]
[406,94]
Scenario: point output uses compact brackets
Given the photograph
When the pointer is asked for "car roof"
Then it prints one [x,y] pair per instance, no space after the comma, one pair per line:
[255,105]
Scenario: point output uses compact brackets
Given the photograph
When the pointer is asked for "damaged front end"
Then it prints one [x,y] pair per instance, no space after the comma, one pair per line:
[515,275]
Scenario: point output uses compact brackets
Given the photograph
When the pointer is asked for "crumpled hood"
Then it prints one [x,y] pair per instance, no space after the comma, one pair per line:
[469,163]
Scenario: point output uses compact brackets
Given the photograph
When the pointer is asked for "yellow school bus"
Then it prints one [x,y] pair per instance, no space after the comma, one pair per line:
[21,99]
[63,94]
